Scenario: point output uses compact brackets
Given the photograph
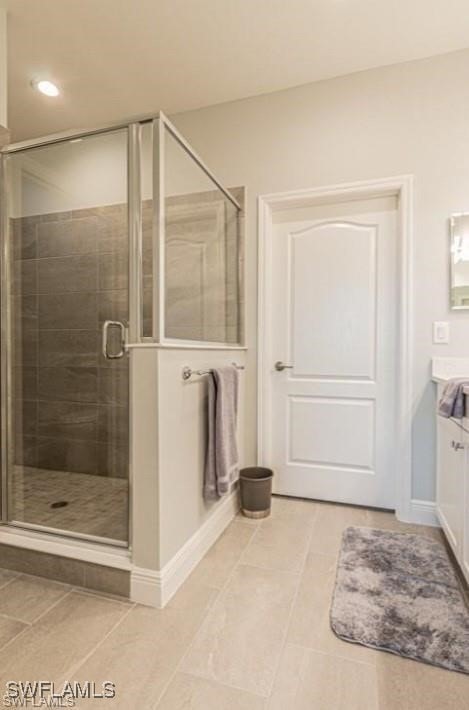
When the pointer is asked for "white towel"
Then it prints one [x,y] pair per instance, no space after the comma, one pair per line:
[221,464]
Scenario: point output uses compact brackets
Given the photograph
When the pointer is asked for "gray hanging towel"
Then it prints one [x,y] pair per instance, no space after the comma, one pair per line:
[221,464]
[451,403]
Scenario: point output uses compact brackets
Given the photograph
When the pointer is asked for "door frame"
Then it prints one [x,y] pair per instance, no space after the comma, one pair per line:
[400,187]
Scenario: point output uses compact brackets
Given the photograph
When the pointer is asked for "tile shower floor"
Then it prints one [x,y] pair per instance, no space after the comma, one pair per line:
[249,630]
[96,505]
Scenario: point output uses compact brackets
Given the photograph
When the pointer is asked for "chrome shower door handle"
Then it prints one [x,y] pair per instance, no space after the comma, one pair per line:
[279,365]
[123,340]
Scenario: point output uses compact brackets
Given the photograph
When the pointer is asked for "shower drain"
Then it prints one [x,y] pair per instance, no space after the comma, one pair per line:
[59,504]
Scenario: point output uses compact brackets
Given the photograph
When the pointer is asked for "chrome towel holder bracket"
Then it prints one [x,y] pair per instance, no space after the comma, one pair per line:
[187,372]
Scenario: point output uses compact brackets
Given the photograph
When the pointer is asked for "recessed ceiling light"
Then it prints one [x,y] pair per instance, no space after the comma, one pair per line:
[46,87]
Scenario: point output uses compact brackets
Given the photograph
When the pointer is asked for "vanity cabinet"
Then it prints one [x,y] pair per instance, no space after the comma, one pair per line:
[450,480]
[452,489]
[464,559]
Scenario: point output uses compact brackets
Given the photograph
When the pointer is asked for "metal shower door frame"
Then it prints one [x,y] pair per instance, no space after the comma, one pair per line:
[135,305]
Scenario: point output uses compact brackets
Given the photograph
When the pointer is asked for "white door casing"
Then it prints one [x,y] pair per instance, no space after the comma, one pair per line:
[334,301]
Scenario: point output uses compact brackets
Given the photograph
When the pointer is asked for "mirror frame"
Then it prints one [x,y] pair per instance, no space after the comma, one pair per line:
[452,234]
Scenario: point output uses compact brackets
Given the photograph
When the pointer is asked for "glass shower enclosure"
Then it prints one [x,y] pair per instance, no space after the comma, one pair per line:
[111,239]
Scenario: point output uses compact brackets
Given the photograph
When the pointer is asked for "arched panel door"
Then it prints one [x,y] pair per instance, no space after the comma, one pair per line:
[333,379]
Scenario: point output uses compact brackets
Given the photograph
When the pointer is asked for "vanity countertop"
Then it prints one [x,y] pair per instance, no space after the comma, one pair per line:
[443,380]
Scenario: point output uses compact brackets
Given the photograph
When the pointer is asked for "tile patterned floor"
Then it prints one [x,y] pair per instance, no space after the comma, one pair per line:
[248,630]
[97,505]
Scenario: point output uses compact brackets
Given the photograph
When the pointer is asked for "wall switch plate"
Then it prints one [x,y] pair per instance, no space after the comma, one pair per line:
[440,331]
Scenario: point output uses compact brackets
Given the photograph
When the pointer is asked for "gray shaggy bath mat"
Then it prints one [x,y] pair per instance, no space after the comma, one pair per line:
[398,592]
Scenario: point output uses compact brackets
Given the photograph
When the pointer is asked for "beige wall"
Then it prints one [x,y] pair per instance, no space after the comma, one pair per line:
[69,176]
[168,435]
[182,443]
[91,171]
[408,118]
[144,439]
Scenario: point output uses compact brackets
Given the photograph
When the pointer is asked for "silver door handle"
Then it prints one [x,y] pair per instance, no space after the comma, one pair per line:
[279,365]
[123,344]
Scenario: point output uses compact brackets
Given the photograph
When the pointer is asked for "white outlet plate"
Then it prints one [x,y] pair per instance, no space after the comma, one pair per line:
[440,332]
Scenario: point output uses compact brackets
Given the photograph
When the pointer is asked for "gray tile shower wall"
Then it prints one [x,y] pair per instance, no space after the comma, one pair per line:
[70,274]
[203,266]
[70,404]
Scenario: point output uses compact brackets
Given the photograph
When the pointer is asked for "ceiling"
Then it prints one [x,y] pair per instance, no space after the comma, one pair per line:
[120,58]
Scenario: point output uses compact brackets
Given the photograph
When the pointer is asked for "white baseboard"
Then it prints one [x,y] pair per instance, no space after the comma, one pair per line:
[423,512]
[145,586]
[155,588]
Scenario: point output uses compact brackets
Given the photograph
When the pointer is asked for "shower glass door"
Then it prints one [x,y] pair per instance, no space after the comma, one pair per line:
[66,261]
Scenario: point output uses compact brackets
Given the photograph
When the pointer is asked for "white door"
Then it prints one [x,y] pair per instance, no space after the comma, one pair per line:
[333,312]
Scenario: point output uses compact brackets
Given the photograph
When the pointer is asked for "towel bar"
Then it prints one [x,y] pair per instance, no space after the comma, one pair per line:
[187,372]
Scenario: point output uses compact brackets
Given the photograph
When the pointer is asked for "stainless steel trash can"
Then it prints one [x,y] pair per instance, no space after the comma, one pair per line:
[256,491]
